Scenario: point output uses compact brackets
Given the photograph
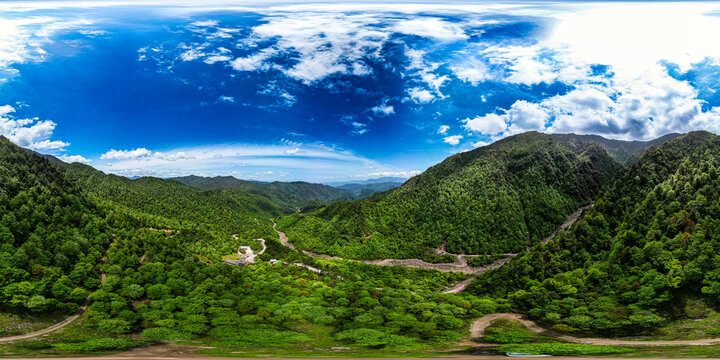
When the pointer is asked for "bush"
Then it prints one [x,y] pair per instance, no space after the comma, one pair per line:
[99,344]
[161,333]
[114,326]
[508,337]
[562,349]
[372,338]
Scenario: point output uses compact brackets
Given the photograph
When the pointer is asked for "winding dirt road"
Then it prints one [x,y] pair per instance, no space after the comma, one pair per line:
[460,264]
[479,326]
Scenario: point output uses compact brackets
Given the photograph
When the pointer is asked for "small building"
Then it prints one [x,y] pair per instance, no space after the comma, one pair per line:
[234,262]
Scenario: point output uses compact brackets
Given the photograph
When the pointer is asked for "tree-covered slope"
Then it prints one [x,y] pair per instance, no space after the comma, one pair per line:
[494,199]
[293,194]
[649,244]
[166,203]
[51,237]
[623,151]
[362,191]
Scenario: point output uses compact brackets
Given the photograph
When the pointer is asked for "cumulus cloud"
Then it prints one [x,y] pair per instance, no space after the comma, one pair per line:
[486,124]
[46,145]
[30,133]
[443,129]
[126,154]
[383,109]
[420,96]
[452,140]
[431,27]
[75,158]
[473,72]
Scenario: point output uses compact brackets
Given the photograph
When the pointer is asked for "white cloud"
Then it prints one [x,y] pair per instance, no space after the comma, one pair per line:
[204,23]
[216,58]
[192,54]
[310,162]
[487,124]
[253,62]
[23,39]
[75,158]
[226,99]
[46,145]
[431,27]
[478,144]
[473,73]
[421,96]
[631,37]
[442,130]
[126,154]
[30,133]
[402,174]
[452,140]
[383,109]
[360,128]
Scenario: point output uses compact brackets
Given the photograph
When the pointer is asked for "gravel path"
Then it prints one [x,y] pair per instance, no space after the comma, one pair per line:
[460,264]
[480,324]
[67,321]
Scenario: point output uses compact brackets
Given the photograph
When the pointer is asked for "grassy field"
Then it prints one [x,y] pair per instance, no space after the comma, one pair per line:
[11,324]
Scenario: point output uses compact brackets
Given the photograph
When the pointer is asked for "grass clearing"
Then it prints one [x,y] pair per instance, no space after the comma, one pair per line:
[562,349]
[14,324]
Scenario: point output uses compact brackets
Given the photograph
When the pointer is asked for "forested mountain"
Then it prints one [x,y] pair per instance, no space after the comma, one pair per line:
[292,194]
[167,203]
[623,151]
[648,246]
[51,237]
[62,226]
[494,199]
[361,191]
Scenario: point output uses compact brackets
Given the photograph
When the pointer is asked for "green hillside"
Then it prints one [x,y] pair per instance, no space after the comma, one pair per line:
[51,236]
[169,204]
[292,194]
[65,225]
[362,191]
[623,151]
[647,247]
[494,199]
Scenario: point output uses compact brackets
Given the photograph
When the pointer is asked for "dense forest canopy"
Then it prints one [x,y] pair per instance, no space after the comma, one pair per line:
[631,263]
[291,194]
[648,245]
[51,236]
[494,199]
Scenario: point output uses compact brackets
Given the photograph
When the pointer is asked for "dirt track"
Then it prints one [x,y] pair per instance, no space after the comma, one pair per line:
[68,320]
[480,324]
[460,264]
[167,352]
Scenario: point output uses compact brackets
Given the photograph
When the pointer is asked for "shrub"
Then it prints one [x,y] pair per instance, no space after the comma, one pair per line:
[99,344]
[161,333]
[562,349]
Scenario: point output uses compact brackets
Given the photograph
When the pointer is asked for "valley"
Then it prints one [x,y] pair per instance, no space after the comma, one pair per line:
[505,236]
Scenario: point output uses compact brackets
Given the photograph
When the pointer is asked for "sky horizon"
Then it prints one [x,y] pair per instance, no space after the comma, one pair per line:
[326,92]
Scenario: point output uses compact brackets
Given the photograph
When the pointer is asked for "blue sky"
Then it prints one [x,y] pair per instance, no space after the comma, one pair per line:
[339,91]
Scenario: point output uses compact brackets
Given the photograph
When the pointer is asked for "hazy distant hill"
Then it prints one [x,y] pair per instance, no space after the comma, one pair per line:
[623,151]
[361,191]
[294,194]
